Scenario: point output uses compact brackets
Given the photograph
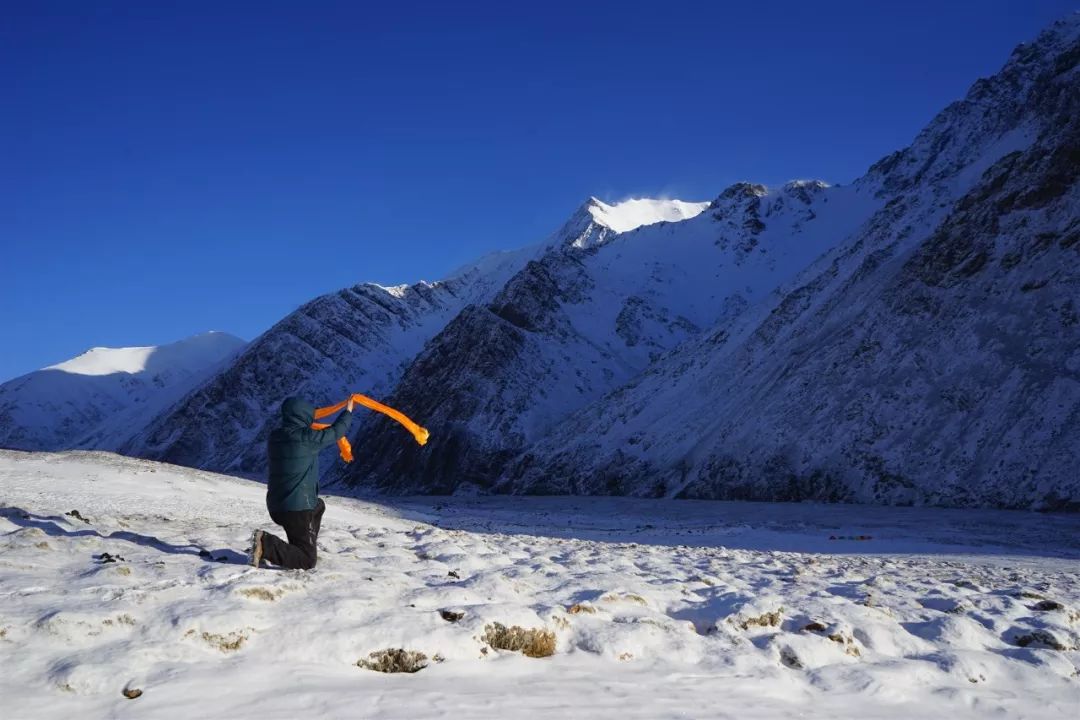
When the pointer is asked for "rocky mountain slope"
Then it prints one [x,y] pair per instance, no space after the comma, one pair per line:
[356,340]
[934,357]
[585,317]
[99,397]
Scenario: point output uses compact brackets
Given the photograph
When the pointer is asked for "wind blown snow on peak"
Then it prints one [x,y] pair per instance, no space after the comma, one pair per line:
[634,213]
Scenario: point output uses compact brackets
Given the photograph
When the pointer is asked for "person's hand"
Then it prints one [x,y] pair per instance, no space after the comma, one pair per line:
[350,406]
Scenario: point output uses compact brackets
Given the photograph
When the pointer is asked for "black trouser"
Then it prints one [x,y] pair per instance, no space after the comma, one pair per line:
[302,528]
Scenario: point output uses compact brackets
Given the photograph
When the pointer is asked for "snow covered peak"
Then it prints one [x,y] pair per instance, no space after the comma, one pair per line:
[106,361]
[595,221]
[190,353]
[105,392]
[634,213]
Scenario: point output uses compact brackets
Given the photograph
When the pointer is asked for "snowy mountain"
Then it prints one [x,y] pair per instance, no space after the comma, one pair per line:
[357,340]
[353,340]
[586,317]
[843,357]
[99,398]
[932,357]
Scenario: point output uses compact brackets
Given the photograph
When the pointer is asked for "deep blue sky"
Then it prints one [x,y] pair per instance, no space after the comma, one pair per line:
[169,170]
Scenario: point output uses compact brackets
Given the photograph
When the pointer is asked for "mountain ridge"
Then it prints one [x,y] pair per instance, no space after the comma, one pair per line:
[357,339]
[931,361]
[67,404]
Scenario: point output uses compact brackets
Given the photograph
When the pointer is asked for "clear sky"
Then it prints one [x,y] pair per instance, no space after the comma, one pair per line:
[171,168]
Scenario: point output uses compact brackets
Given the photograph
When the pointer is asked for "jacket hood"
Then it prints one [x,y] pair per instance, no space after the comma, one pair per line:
[297,412]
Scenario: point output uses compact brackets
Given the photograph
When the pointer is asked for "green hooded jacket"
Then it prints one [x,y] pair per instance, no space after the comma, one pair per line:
[293,450]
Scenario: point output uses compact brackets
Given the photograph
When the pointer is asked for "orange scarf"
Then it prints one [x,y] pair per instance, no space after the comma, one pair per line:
[421,434]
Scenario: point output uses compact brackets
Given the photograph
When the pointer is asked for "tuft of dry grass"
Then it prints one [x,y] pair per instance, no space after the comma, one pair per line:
[769,619]
[625,597]
[261,593]
[847,641]
[560,622]
[534,642]
[841,638]
[394,660]
[226,643]
[578,608]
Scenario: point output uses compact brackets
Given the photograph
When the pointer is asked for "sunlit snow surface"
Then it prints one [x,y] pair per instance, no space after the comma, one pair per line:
[98,398]
[105,361]
[188,356]
[923,619]
[634,213]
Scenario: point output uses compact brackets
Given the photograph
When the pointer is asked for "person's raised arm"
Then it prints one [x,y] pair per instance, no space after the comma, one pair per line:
[340,426]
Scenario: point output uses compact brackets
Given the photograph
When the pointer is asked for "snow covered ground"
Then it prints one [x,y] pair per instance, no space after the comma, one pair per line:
[656,608]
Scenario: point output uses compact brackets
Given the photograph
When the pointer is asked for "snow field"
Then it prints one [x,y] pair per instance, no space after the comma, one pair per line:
[648,622]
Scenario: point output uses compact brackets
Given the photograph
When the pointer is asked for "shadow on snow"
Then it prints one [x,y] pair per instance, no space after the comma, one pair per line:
[782,527]
[53,525]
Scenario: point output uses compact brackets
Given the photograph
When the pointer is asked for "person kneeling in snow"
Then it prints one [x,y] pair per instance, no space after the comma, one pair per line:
[292,492]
